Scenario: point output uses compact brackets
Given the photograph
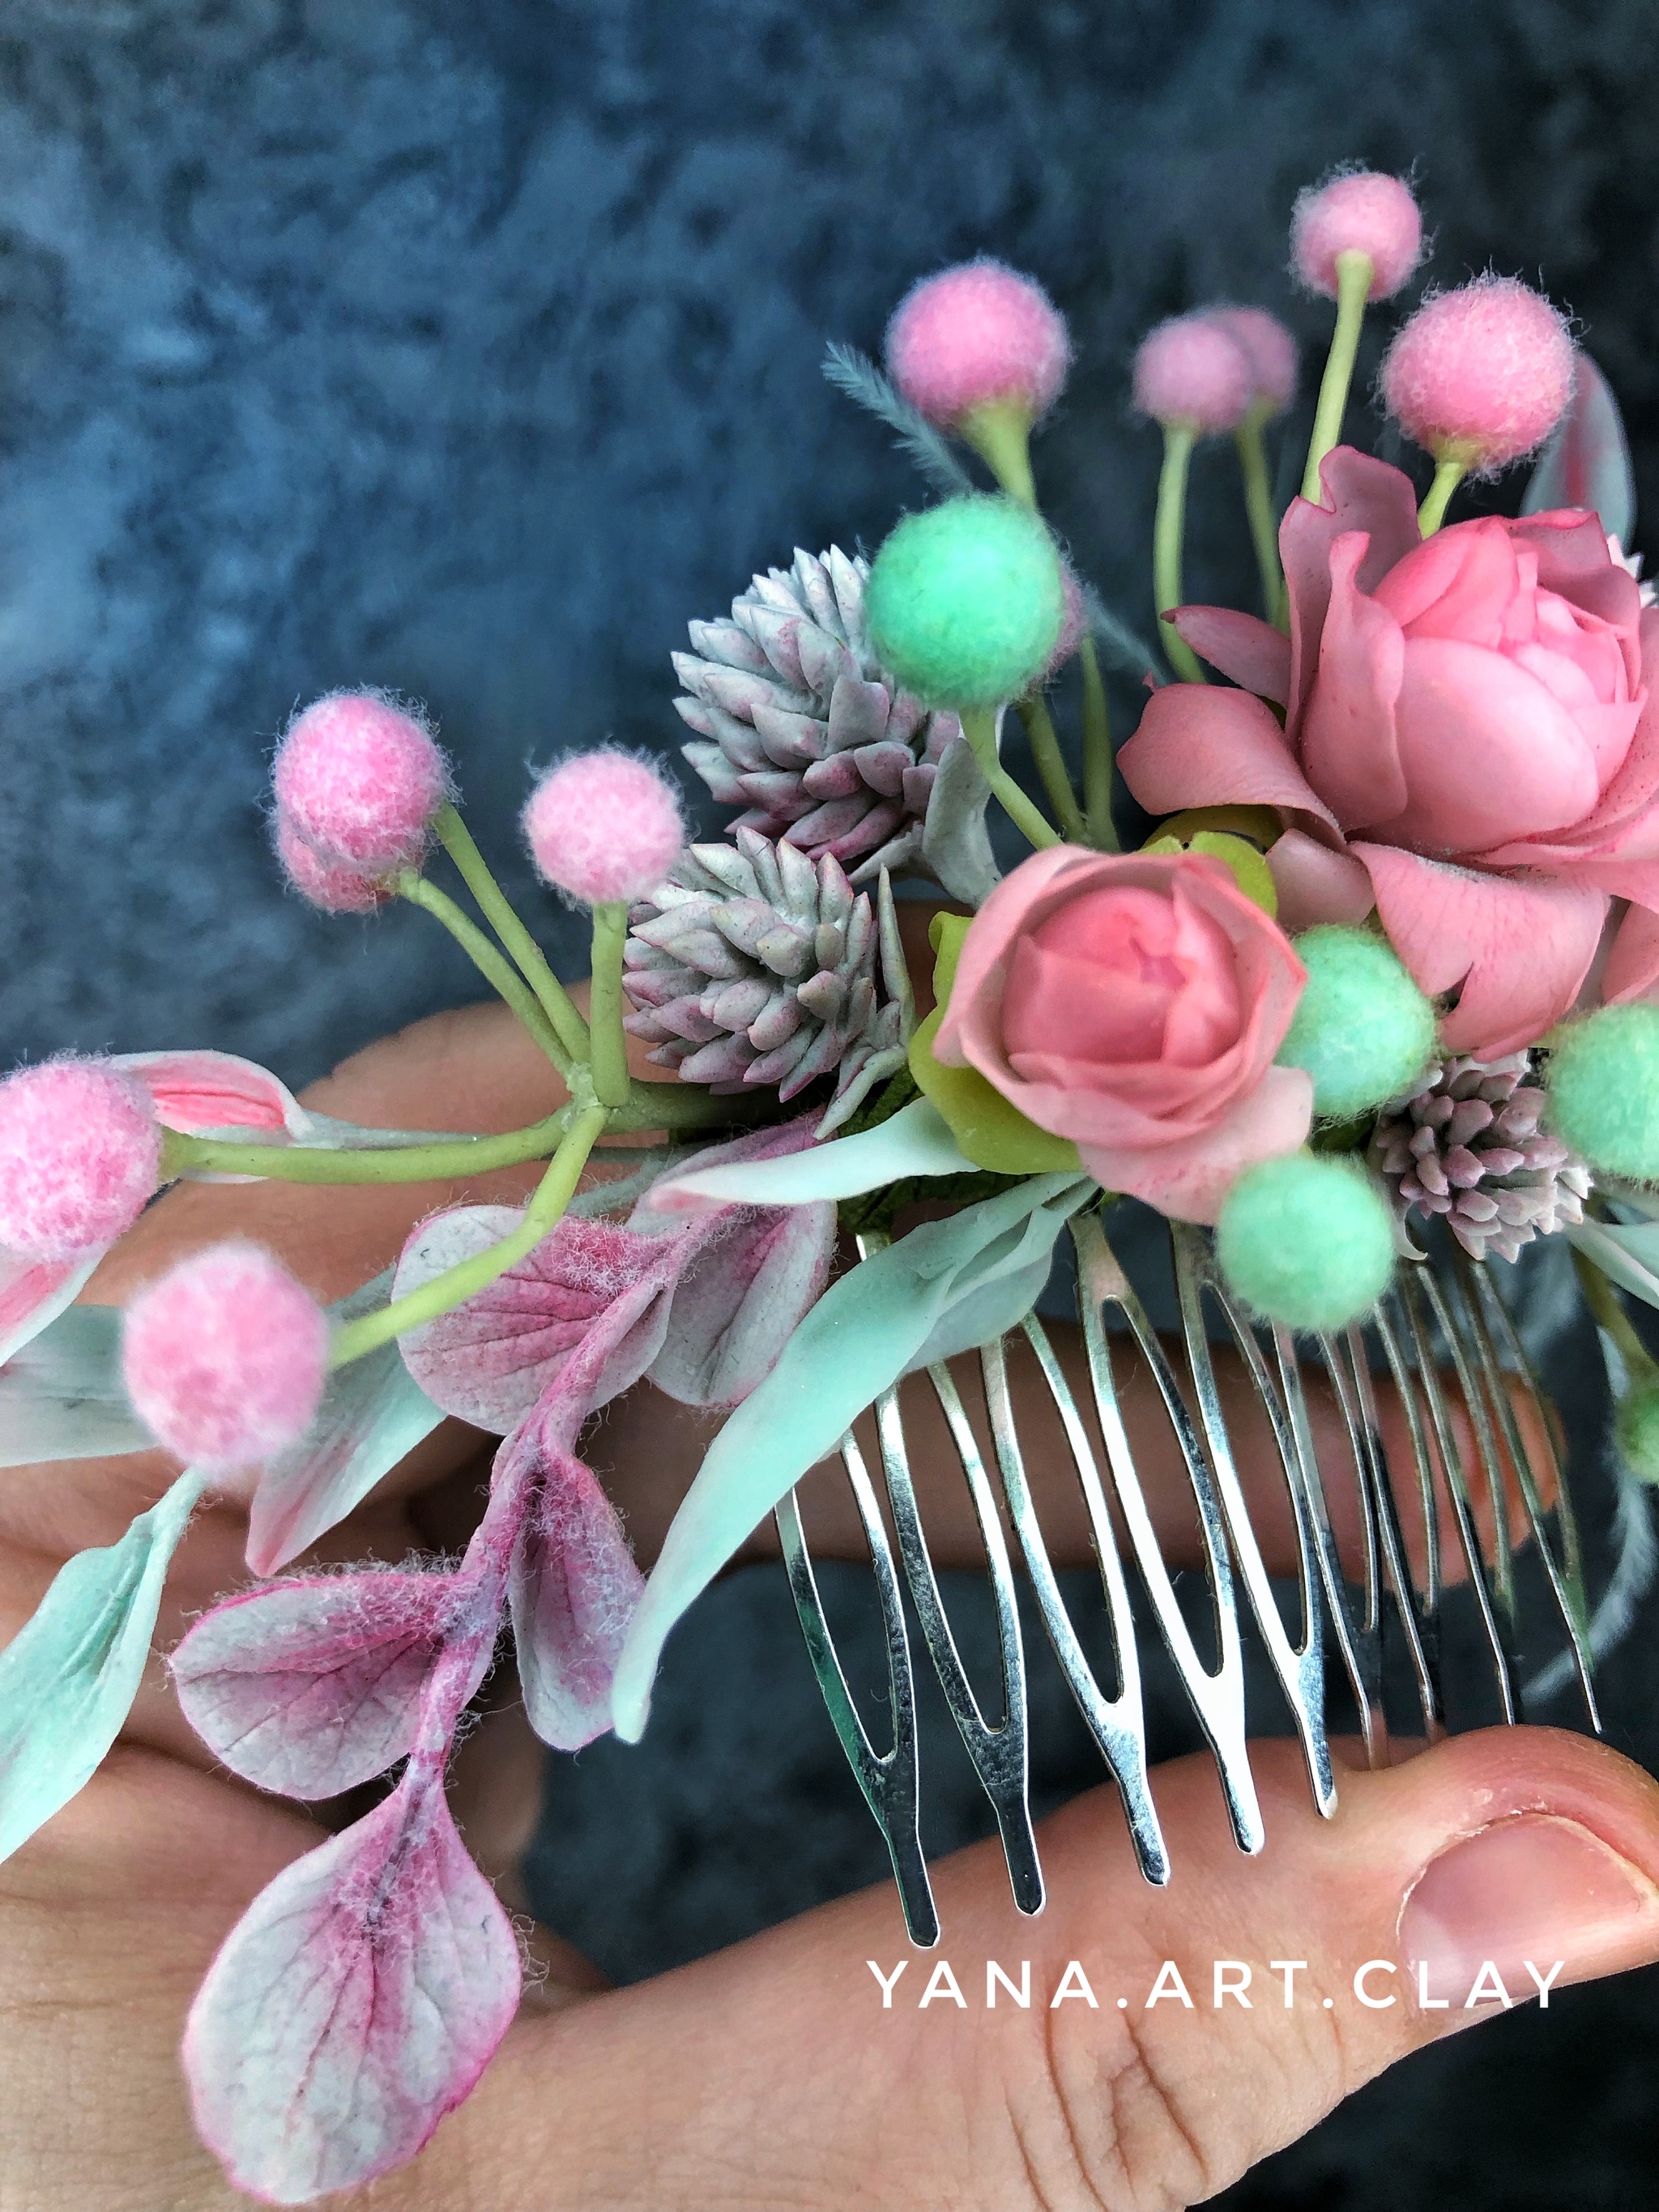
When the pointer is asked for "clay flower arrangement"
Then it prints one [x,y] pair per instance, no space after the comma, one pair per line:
[1386,958]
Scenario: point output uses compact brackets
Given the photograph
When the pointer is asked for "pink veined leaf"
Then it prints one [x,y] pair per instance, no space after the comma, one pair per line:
[310,1686]
[34,1292]
[356,2002]
[754,1273]
[202,1090]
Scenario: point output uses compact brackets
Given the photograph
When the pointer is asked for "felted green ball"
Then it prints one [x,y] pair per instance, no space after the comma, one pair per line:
[1603,1083]
[1637,1426]
[1306,1241]
[1363,1029]
[965,602]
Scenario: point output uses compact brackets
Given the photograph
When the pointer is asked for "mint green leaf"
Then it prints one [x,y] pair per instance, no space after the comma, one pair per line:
[62,1396]
[915,1141]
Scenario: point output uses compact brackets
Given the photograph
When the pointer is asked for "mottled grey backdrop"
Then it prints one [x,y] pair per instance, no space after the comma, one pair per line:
[470,350]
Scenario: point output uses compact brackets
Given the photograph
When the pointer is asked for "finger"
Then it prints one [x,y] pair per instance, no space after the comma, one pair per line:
[777,2076]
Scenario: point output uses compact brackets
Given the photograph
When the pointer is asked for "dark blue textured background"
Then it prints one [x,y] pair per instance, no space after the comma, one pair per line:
[470,350]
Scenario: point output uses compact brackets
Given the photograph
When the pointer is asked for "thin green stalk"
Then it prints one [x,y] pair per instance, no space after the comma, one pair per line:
[457,840]
[490,963]
[1606,1305]
[1167,530]
[1051,767]
[1355,272]
[1449,471]
[979,727]
[317,1164]
[1000,434]
[1097,751]
[465,1280]
[1259,506]
[609,1060]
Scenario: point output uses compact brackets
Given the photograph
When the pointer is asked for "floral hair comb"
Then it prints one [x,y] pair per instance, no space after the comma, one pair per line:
[1370,1007]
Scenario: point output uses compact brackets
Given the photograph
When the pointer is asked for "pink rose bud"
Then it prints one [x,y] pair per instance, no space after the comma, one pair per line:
[326,883]
[1361,213]
[1191,375]
[80,1155]
[1269,349]
[360,780]
[605,826]
[1483,374]
[225,1357]
[976,335]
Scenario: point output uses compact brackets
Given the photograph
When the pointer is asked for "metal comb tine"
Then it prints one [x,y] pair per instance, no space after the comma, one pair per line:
[1300,1668]
[999,1754]
[1396,1353]
[1217,1699]
[1482,1300]
[1117,1724]
[890,1780]
[1419,1627]
[1448,1313]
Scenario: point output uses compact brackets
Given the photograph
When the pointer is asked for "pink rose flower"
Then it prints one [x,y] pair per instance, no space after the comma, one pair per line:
[1468,746]
[1133,1002]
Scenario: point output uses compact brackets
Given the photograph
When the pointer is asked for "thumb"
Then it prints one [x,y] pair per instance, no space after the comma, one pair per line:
[778,2072]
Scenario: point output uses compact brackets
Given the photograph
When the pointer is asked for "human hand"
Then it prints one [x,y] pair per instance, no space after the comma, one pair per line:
[772,2073]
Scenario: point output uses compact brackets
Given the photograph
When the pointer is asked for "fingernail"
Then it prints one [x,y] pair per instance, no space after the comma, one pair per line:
[1531,1888]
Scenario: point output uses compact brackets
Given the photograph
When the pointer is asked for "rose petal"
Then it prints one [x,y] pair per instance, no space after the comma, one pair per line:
[1187,1180]
[1252,652]
[1200,746]
[1316,884]
[1633,968]
[1350,750]
[1359,493]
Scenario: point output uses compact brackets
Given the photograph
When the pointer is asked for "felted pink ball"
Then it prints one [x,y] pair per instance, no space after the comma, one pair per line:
[1073,622]
[80,1158]
[360,780]
[1269,349]
[605,826]
[225,1357]
[326,883]
[976,333]
[1364,212]
[1487,369]
[1192,374]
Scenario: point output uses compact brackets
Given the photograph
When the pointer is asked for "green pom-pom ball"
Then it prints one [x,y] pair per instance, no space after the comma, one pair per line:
[1603,1083]
[965,603]
[1636,1425]
[1307,1242]
[1363,1029]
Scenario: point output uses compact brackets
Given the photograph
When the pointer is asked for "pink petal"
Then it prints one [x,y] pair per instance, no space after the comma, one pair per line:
[199,1091]
[1461,583]
[356,2002]
[1252,653]
[1519,950]
[1188,1179]
[1359,494]
[1633,968]
[741,1301]
[1200,746]
[311,1687]
[1315,883]
[1347,735]
[34,1292]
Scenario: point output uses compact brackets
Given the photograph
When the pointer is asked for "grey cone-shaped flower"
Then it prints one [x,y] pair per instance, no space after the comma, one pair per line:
[800,725]
[754,965]
[1466,1145]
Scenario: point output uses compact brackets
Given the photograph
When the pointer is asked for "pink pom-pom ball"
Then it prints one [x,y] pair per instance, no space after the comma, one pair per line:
[225,1357]
[80,1158]
[1269,349]
[1364,212]
[605,826]
[360,780]
[1073,621]
[974,334]
[1486,370]
[1191,375]
[326,883]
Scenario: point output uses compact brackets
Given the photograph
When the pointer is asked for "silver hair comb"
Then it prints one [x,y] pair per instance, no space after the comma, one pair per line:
[1444,1341]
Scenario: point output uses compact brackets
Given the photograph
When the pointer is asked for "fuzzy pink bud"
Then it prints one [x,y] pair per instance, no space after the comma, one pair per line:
[360,780]
[326,883]
[225,1357]
[1486,371]
[974,335]
[1191,375]
[1269,349]
[80,1158]
[1362,212]
[605,826]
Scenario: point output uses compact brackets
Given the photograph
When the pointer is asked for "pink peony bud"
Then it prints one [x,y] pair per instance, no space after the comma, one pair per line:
[80,1155]
[1484,372]
[605,826]
[1362,212]
[1269,349]
[1191,375]
[225,1357]
[326,883]
[360,780]
[975,334]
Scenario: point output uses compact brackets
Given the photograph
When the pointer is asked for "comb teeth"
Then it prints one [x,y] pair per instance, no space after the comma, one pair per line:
[1449,1347]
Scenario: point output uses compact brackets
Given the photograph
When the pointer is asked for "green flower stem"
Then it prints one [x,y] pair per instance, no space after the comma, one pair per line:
[608,1062]
[1604,1301]
[1051,767]
[1259,506]
[1355,272]
[1000,434]
[980,728]
[1097,751]
[1449,471]
[457,1284]
[493,903]
[490,963]
[1167,530]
